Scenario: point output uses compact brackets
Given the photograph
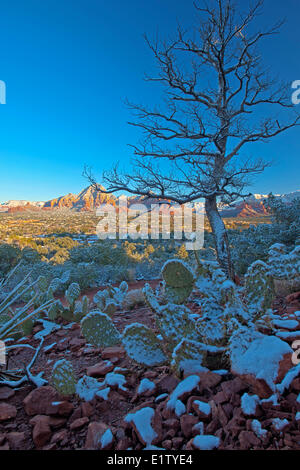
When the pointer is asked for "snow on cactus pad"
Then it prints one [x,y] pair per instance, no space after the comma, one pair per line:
[175,322]
[99,330]
[211,326]
[188,355]
[63,377]
[142,345]
[258,356]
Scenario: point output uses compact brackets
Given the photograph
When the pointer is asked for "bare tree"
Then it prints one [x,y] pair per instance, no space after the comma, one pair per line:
[217,93]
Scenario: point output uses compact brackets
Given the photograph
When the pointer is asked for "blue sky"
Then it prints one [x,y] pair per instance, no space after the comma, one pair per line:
[69,64]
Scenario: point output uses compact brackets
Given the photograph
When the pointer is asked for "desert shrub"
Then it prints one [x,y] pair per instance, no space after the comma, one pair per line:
[182,252]
[253,243]
[133,298]
[60,257]
[101,253]
[287,215]
[9,257]
[85,274]
[148,270]
[30,255]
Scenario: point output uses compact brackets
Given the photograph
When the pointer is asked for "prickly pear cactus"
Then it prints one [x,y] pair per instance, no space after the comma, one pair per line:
[210,280]
[55,284]
[85,305]
[42,284]
[81,308]
[178,295]
[63,377]
[100,299]
[99,330]
[72,293]
[27,327]
[205,268]
[211,326]
[175,322]
[105,303]
[259,288]
[118,294]
[151,298]
[177,274]
[67,314]
[160,293]
[111,298]
[123,287]
[188,356]
[285,269]
[55,310]
[233,305]
[179,280]
[142,345]
[110,307]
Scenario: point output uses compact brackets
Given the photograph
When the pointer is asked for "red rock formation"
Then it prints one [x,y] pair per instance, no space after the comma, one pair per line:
[87,200]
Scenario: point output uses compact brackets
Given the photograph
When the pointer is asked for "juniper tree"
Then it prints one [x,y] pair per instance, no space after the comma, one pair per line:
[218,96]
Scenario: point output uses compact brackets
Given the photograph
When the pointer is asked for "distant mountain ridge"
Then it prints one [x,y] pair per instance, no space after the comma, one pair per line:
[89,199]
[253,206]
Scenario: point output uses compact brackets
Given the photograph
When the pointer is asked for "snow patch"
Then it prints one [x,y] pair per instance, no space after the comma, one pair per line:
[207,442]
[142,421]
[186,386]
[288,324]
[48,327]
[114,379]
[87,388]
[103,393]
[249,403]
[279,424]
[145,386]
[261,358]
[106,438]
[204,407]
[290,376]
[258,430]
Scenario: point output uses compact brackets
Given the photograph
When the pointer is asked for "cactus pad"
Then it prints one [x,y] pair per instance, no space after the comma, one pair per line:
[175,323]
[177,274]
[187,355]
[99,330]
[259,287]
[73,292]
[142,345]
[63,377]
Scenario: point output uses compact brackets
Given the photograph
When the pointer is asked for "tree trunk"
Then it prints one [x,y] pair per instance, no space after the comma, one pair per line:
[220,236]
